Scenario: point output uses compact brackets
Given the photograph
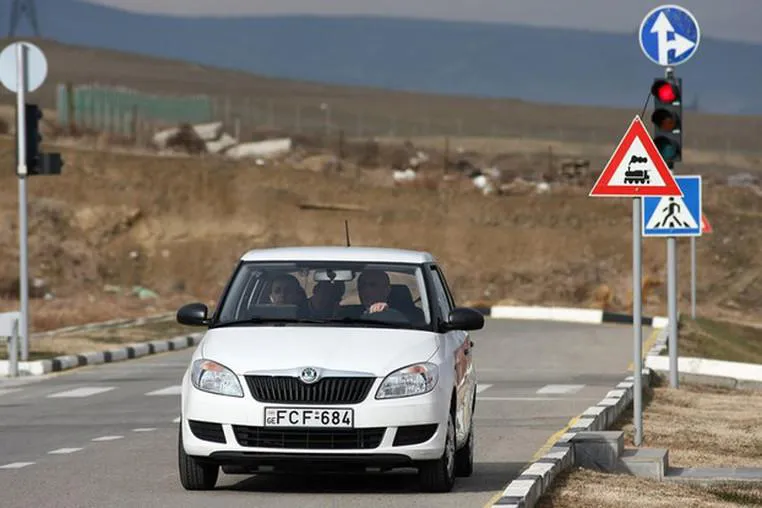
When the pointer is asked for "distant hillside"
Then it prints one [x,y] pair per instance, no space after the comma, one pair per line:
[490,60]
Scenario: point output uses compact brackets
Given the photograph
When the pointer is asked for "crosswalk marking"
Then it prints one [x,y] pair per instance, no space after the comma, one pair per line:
[170,390]
[62,451]
[555,389]
[16,465]
[481,388]
[84,391]
[107,438]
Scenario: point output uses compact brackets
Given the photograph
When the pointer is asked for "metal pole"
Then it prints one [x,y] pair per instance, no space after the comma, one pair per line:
[13,351]
[693,277]
[21,84]
[637,321]
[672,308]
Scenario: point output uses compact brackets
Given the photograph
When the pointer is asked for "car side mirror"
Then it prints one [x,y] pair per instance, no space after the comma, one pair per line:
[464,318]
[193,314]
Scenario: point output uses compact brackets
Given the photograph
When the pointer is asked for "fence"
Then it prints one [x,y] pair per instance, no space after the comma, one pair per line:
[120,110]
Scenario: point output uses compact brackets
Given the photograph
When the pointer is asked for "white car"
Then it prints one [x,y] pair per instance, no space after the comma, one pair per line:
[372,371]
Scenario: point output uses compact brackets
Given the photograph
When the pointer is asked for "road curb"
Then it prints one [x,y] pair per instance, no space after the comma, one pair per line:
[565,314]
[526,490]
[127,352]
[536,479]
[705,371]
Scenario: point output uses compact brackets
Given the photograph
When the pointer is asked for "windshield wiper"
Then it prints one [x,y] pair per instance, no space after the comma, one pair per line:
[262,320]
[369,321]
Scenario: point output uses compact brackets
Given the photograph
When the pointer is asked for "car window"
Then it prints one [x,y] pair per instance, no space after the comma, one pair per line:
[440,298]
[328,291]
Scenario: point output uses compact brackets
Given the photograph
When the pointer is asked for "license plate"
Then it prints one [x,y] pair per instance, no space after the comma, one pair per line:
[309,417]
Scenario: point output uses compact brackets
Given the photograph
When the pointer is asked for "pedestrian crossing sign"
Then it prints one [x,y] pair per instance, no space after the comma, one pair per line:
[674,215]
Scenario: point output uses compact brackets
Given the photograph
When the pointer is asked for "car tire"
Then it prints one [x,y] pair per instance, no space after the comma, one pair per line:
[439,475]
[464,458]
[194,474]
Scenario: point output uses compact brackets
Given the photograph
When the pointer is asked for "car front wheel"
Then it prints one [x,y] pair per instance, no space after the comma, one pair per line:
[439,475]
[195,475]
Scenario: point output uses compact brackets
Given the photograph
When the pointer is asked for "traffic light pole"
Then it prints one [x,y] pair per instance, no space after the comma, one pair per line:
[672,286]
[22,82]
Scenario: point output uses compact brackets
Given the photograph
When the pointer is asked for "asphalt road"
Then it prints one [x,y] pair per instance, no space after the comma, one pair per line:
[94,437]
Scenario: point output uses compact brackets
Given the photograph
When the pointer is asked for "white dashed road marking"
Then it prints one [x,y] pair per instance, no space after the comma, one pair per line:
[16,465]
[481,388]
[147,429]
[63,451]
[528,399]
[4,391]
[176,420]
[107,438]
[556,389]
[170,390]
[85,391]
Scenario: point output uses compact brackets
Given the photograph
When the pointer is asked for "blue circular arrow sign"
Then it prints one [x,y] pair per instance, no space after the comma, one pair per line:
[669,35]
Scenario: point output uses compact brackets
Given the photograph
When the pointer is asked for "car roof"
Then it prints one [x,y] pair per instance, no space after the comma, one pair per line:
[335,253]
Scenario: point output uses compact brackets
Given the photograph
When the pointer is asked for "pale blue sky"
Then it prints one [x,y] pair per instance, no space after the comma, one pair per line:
[737,20]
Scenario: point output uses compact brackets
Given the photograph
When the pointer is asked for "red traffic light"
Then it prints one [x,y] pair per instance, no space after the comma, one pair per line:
[665,91]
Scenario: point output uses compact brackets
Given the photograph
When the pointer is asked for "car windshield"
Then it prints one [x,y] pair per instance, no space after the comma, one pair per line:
[319,293]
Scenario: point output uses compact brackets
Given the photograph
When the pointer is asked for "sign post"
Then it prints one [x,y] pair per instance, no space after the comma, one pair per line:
[636,169]
[669,35]
[674,217]
[23,69]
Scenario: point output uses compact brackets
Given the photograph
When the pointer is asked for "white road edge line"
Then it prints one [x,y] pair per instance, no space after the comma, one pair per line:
[107,438]
[16,465]
[534,399]
[62,451]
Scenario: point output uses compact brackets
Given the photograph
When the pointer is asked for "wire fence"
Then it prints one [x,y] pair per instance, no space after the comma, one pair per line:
[135,114]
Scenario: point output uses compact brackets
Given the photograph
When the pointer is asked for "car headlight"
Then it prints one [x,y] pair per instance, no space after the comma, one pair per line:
[212,377]
[413,380]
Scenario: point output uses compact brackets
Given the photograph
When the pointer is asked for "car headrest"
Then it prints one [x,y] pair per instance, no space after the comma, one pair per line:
[401,297]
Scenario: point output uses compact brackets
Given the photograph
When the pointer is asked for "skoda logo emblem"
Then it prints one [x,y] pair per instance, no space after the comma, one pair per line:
[308,375]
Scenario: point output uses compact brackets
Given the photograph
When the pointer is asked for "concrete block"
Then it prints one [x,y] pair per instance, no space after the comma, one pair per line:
[749,385]
[599,450]
[644,462]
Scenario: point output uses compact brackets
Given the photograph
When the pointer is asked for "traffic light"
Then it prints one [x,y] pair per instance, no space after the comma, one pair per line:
[37,162]
[32,117]
[668,118]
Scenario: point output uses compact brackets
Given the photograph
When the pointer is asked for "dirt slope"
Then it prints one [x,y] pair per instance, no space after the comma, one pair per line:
[177,225]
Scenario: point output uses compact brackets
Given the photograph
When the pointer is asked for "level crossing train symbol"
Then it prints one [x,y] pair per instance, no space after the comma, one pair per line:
[636,176]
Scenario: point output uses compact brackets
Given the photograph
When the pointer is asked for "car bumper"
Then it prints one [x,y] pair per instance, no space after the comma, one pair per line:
[386,433]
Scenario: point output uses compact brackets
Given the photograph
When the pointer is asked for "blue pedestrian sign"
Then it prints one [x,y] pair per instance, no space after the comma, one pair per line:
[674,215]
[669,35]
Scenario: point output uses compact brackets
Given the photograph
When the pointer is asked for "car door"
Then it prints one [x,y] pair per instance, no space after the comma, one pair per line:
[459,346]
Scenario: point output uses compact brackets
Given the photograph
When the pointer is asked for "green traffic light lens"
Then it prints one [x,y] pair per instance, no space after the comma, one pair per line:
[667,149]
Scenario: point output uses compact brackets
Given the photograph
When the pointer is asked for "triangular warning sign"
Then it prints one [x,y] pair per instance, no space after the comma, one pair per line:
[705,226]
[636,168]
[671,213]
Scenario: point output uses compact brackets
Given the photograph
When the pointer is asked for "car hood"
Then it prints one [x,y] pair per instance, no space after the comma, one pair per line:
[374,350]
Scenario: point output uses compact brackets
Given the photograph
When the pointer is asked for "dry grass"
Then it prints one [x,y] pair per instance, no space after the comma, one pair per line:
[720,340]
[592,489]
[702,427]
[177,226]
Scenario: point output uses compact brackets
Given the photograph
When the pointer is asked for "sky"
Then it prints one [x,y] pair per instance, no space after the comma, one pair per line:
[734,20]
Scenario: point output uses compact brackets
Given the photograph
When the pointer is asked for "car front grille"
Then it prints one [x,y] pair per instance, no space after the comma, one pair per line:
[314,439]
[291,390]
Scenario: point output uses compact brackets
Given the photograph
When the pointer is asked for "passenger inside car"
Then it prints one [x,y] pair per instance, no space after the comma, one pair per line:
[325,299]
